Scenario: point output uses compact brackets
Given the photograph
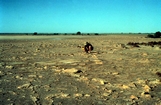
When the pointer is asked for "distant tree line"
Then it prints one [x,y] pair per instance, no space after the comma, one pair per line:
[156,35]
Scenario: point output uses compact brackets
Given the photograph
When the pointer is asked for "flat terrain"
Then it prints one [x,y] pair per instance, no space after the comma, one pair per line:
[54,70]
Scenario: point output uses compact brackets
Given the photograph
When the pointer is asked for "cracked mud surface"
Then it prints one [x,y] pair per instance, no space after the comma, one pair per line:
[57,72]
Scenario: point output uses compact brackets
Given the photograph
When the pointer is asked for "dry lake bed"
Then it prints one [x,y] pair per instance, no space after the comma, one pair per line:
[54,70]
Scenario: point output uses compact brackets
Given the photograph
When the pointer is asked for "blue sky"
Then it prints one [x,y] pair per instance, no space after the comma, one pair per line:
[87,16]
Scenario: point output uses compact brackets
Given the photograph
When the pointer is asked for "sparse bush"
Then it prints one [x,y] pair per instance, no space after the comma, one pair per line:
[157,35]
[150,36]
[35,33]
[78,33]
[96,34]
[56,33]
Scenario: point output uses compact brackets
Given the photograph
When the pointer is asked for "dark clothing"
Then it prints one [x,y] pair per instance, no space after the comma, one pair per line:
[88,47]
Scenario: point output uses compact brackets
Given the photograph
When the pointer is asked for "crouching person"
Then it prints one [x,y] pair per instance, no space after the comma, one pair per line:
[88,47]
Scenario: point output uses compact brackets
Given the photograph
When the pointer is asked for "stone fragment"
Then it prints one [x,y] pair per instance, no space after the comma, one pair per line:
[50,100]
[18,77]
[115,73]
[24,86]
[133,97]
[76,75]
[40,76]
[9,67]
[157,48]
[124,86]
[106,94]
[98,62]
[78,95]
[146,88]
[12,92]
[1,65]
[72,70]
[132,85]
[119,45]
[101,81]
[32,76]
[59,95]
[64,95]
[45,67]
[46,87]
[57,70]
[155,82]
[145,95]
[33,98]
[87,95]
[144,54]
[1,73]
[142,82]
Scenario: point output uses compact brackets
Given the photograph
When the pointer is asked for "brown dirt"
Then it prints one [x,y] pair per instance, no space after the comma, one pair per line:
[49,71]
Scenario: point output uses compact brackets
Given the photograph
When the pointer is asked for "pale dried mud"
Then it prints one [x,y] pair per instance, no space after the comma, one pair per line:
[57,72]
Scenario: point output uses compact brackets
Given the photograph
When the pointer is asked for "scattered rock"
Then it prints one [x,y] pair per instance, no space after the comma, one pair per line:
[12,92]
[62,95]
[9,67]
[1,73]
[46,87]
[32,76]
[38,50]
[106,94]
[98,62]
[155,82]
[18,77]
[1,65]
[132,85]
[72,70]
[144,61]
[146,88]
[45,67]
[58,71]
[101,66]
[50,100]
[76,75]
[133,97]
[24,86]
[120,45]
[40,76]
[157,48]
[124,87]
[87,95]
[33,98]
[145,95]
[144,54]
[115,73]
[78,95]
[100,81]
[142,82]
